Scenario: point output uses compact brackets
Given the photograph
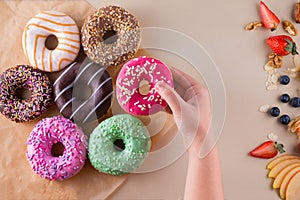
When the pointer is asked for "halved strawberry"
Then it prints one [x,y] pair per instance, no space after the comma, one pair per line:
[267,150]
[282,45]
[269,19]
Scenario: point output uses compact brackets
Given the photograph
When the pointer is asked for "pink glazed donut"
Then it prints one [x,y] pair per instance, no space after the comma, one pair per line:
[142,70]
[44,135]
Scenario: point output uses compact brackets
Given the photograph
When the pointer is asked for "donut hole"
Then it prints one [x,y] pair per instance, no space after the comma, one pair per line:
[83,91]
[22,93]
[110,37]
[51,42]
[119,145]
[57,149]
[144,87]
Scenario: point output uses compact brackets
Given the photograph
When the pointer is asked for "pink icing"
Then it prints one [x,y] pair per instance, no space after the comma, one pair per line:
[47,132]
[129,78]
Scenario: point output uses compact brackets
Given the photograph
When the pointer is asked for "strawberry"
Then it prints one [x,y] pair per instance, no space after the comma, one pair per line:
[269,19]
[267,150]
[282,45]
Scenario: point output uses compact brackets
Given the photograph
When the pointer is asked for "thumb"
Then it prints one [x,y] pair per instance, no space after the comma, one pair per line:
[170,96]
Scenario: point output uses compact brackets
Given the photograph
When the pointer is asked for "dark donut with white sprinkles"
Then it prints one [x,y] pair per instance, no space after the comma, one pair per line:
[83,92]
[27,78]
[110,36]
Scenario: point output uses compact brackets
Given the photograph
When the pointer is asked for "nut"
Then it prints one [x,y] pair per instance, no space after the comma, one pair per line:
[294,126]
[295,71]
[272,87]
[273,75]
[253,25]
[289,27]
[272,136]
[267,67]
[275,60]
[297,12]
[264,108]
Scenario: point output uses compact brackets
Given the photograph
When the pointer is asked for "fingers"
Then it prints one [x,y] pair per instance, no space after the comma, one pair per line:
[184,80]
[168,110]
[186,86]
[174,101]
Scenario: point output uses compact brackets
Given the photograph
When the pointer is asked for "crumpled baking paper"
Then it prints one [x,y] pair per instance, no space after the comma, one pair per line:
[17,179]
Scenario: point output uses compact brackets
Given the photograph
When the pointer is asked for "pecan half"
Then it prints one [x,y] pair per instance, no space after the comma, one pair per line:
[275,60]
[253,25]
[289,27]
[294,126]
[297,12]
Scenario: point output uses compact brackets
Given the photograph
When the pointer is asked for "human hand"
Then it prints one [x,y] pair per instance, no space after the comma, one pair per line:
[189,102]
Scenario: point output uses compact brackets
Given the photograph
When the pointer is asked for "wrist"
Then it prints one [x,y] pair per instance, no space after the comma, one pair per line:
[194,157]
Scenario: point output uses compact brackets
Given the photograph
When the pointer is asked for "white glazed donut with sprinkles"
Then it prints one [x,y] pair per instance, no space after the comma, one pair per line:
[128,87]
[36,32]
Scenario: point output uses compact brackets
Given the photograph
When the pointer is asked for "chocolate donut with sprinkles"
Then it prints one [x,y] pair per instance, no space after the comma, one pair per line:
[24,77]
[49,132]
[83,92]
[135,87]
[119,145]
[110,36]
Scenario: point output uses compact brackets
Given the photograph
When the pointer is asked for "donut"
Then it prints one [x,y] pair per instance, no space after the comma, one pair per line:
[142,71]
[24,77]
[35,34]
[110,36]
[45,134]
[83,92]
[119,145]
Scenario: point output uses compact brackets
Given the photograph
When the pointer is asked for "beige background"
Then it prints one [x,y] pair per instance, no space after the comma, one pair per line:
[240,55]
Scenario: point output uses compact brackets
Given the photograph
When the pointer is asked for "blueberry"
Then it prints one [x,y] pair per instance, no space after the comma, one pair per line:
[285,119]
[284,80]
[274,111]
[285,98]
[295,102]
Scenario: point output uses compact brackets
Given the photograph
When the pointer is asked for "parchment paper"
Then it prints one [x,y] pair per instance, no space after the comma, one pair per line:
[17,179]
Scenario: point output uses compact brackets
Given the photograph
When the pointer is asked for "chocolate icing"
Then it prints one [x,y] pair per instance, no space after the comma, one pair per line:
[71,86]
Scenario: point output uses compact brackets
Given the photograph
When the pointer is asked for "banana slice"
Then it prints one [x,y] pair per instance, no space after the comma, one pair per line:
[280,176]
[293,189]
[279,159]
[286,181]
[281,165]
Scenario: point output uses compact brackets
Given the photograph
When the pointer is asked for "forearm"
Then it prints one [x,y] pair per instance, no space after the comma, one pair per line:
[204,179]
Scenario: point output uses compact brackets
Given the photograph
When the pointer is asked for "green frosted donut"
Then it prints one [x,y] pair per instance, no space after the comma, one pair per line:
[106,157]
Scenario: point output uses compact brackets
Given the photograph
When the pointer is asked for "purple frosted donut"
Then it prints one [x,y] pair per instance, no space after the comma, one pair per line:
[24,77]
[51,131]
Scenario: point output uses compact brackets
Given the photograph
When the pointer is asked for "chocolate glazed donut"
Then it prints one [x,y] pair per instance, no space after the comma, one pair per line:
[83,92]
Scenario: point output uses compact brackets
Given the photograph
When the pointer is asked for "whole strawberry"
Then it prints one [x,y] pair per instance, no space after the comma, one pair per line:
[268,149]
[282,45]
